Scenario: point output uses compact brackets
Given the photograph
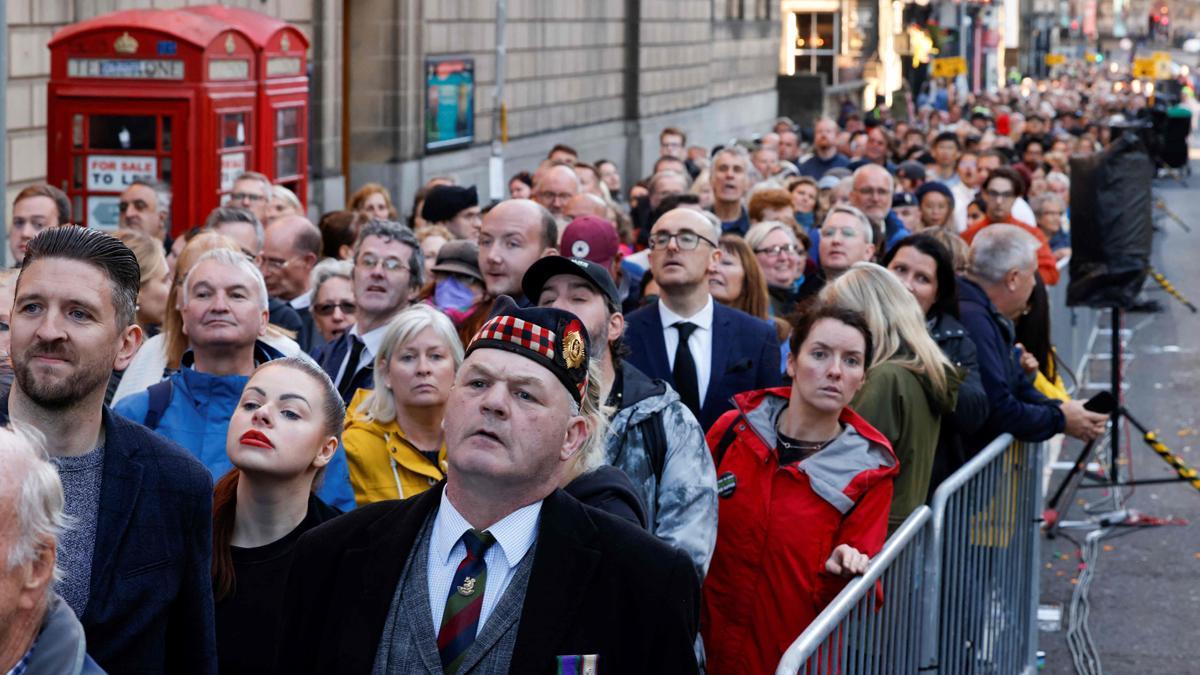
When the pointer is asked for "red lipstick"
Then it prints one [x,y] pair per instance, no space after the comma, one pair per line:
[256,439]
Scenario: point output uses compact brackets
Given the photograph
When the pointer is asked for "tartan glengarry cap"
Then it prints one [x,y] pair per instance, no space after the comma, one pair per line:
[550,337]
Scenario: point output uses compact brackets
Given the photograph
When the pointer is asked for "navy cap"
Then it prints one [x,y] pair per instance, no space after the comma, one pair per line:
[938,187]
[551,266]
[903,199]
[552,338]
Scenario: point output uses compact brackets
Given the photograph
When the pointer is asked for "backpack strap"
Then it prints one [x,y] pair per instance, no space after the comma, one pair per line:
[727,439]
[654,438]
[160,399]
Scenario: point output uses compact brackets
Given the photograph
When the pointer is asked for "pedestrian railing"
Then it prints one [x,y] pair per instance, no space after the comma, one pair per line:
[954,590]
[872,626]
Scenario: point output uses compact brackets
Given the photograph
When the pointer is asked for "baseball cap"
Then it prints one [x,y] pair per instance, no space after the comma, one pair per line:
[592,238]
[911,170]
[903,199]
[551,266]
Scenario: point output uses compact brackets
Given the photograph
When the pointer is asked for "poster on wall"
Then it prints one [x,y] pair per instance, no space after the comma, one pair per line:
[449,103]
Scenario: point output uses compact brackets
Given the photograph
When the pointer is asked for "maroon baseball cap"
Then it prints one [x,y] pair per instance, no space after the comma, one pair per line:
[591,238]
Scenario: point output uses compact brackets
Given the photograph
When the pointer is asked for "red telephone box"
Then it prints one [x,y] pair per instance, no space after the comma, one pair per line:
[173,95]
[282,93]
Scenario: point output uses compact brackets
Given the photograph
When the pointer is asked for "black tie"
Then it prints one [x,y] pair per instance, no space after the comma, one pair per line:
[347,386]
[686,382]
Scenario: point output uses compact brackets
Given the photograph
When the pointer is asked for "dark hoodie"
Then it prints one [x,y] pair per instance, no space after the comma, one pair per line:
[905,408]
[608,488]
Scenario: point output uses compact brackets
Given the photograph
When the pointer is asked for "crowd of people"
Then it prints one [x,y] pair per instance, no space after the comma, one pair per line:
[652,427]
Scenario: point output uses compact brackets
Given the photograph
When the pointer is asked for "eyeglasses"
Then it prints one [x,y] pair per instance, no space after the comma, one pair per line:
[1000,195]
[327,308]
[686,240]
[277,264]
[878,192]
[137,204]
[368,262]
[778,249]
[246,197]
[547,196]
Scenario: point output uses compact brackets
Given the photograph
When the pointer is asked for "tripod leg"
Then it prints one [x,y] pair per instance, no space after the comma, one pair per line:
[1181,469]
[1080,462]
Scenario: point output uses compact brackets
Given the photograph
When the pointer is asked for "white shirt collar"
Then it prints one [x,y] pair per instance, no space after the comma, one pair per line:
[703,318]
[302,301]
[514,533]
[372,338]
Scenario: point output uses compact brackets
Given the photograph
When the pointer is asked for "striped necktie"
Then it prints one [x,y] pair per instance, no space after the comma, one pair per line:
[460,619]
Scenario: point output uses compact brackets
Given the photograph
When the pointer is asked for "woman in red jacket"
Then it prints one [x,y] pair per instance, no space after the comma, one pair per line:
[805,487]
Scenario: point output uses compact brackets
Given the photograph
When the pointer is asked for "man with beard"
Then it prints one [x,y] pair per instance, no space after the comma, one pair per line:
[825,151]
[138,559]
[653,438]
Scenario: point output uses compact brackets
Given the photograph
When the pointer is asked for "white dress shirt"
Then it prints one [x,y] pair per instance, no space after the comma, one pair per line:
[700,343]
[514,533]
[302,301]
[372,341]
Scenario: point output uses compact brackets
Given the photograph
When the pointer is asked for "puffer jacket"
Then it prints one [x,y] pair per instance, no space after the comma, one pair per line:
[682,507]
[198,415]
[383,463]
[779,524]
[971,410]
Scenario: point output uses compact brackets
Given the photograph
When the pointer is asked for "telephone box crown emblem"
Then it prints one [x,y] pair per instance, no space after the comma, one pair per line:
[126,44]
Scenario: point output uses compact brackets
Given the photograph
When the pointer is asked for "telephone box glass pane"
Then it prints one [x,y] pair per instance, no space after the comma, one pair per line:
[166,133]
[233,130]
[287,123]
[122,132]
[77,130]
[166,170]
[287,160]
[77,172]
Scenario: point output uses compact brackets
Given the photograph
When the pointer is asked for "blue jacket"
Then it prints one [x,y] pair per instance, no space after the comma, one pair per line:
[745,355]
[150,608]
[197,418]
[330,356]
[1015,406]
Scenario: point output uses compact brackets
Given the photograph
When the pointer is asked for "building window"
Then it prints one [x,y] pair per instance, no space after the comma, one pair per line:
[816,46]
[741,10]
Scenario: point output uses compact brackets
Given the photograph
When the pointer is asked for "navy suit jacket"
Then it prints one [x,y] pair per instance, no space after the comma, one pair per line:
[309,337]
[151,603]
[330,356]
[745,355]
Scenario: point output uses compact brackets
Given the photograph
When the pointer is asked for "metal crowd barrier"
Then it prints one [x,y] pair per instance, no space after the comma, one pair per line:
[953,591]
[872,625]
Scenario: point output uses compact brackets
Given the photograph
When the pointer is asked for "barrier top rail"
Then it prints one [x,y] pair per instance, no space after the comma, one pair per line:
[829,619]
[937,530]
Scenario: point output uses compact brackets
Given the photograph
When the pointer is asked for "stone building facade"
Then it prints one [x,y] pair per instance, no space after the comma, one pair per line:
[602,75]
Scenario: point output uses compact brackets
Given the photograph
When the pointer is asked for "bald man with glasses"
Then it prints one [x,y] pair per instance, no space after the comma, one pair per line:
[710,352]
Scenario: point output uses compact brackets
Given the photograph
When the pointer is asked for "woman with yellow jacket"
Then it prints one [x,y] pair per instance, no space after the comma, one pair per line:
[393,437]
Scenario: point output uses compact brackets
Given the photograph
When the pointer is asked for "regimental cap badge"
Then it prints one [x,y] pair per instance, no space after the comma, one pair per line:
[230,45]
[573,349]
[126,44]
